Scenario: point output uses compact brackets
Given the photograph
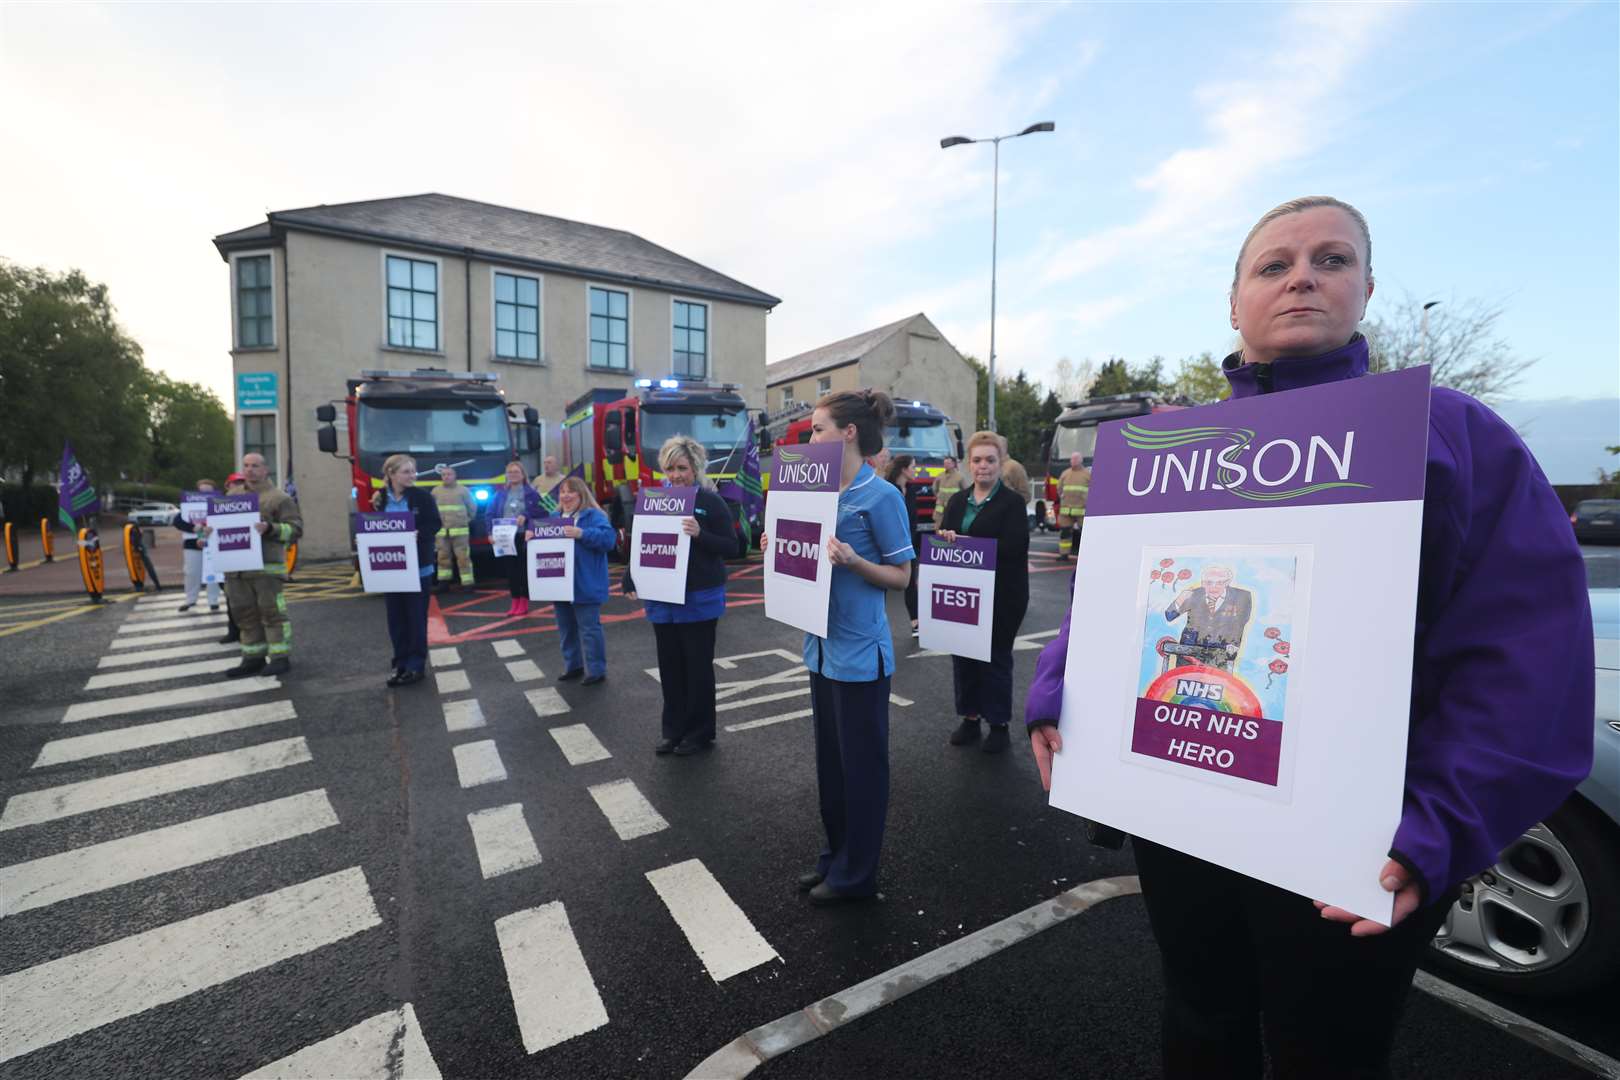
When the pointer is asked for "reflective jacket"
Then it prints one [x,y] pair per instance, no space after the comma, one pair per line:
[277,510]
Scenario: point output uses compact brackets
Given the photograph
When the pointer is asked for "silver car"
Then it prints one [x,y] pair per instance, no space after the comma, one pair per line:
[1546,918]
[153,513]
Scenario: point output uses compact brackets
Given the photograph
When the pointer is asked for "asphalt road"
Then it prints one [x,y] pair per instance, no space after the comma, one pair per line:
[652,922]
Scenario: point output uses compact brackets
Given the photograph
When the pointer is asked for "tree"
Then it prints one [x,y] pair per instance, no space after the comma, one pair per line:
[1071,381]
[1117,377]
[1022,416]
[189,434]
[1462,347]
[1201,380]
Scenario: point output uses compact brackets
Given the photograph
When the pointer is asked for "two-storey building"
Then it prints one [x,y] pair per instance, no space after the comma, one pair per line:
[555,307]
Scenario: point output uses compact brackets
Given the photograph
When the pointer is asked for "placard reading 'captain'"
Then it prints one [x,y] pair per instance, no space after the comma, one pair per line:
[551,561]
[233,541]
[385,544]
[956,595]
[1239,668]
[801,512]
[659,547]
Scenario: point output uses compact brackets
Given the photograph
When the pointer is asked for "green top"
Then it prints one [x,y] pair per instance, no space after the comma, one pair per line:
[973,508]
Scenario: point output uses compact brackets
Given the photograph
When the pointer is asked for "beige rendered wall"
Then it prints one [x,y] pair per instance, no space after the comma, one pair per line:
[920,364]
[808,388]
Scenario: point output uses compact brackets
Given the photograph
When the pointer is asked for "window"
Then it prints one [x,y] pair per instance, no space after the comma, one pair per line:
[824,385]
[413,303]
[517,318]
[691,340]
[610,329]
[259,437]
[787,396]
[253,312]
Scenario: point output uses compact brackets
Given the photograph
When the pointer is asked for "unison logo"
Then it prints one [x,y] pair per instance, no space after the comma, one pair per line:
[793,469]
[1275,471]
[797,546]
[655,504]
[945,552]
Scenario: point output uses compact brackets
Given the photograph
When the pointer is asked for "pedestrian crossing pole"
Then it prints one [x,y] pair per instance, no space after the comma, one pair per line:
[11,549]
[47,540]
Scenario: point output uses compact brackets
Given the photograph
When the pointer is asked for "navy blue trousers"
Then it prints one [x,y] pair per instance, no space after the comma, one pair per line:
[407,627]
[984,690]
[852,772]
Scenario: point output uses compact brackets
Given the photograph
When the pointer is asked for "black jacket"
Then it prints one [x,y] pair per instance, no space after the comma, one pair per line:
[428,521]
[714,543]
[191,542]
[1003,520]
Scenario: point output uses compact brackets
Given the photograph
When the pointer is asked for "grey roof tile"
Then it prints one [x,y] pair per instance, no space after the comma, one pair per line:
[837,354]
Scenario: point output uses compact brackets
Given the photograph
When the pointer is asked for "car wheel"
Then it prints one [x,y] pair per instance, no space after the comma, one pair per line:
[1545,918]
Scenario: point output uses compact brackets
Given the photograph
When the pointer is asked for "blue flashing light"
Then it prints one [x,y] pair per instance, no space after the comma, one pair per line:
[918,404]
[643,382]
[669,384]
[481,494]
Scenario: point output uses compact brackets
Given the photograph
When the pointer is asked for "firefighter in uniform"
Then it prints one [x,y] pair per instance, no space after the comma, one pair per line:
[456,509]
[946,484]
[1072,488]
[255,596]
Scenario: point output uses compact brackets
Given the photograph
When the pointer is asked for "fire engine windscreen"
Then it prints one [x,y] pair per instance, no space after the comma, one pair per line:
[718,431]
[928,440]
[1069,439]
[414,428]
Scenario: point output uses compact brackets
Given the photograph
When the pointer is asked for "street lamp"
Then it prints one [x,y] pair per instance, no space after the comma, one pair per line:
[995,199]
[1428,355]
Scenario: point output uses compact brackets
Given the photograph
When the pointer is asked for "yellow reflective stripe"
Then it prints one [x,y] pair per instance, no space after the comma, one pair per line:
[463,531]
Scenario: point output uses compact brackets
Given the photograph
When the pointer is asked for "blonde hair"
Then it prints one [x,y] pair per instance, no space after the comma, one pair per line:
[1300,205]
[392,464]
[579,487]
[689,448]
[980,438]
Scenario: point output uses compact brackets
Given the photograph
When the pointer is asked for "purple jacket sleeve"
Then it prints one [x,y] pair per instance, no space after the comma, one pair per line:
[1044,702]
[1502,694]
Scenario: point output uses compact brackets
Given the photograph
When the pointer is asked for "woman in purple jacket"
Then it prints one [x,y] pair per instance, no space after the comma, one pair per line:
[520,502]
[1502,698]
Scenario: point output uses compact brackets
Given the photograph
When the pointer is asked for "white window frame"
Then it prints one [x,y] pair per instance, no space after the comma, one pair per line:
[438,300]
[823,384]
[281,451]
[787,395]
[275,298]
[708,335]
[629,327]
[540,328]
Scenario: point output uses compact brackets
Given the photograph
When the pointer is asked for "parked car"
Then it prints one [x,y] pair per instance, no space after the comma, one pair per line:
[153,513]
[1545,919]
[1597,521]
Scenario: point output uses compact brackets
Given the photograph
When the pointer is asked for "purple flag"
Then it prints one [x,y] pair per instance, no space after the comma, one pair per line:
[75,497]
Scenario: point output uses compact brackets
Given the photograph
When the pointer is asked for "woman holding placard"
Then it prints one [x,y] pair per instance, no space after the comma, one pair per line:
[520,503]
[579,624]
[685,632]
[851,667]
[408,611]
[1499,732]
[192,554]
[992,510]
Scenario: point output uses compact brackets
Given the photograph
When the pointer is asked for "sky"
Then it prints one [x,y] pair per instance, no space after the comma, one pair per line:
[796,148]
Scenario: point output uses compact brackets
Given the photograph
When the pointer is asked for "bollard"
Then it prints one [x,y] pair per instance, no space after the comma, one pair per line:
[292,559]
[132,559]
[11,549]
[46,539]
[90,565]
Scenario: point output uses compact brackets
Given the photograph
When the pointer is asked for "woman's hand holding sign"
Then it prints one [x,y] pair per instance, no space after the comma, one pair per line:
[947,535]
[1394,878]
[1045,741]
[690,526]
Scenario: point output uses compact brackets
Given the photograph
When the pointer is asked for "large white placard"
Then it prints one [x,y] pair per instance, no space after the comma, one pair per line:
[386,546]
[801,512]
[233,540]
[503,537]
[659,549]
[956,595]
[551,561]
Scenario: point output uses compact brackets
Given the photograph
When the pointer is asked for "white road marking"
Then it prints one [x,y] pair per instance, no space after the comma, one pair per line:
[503,840]
[1544,1038]
[177,652]
[80,871]
[451,682]
[165,699]
[153,614]
[547,702]
[161,600]
[578,745]
[478,763]
[766,721]
[79,747]
[48,804]
[627,810]
[1022,643]
[745,702]
[389,1046]
[507,647]
[144,641]
[69,996]
[552,991]
[723,690]
[524,671]
[179,622]
[716,928]
[463,715]
[896,699]
[446,657]
[160,673]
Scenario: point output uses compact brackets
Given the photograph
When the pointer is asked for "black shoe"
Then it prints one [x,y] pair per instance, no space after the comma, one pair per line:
[571,674]
[213,609]
[592,680]
[996,741]
[410,678]
[183,607]
[810,880]
[825,894]
[250,665]
[397,677]
[230,639]
[279,666]
[966,732]
[664,746]
[688,747]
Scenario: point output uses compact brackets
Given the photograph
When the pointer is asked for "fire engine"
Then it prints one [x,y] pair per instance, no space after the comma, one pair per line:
[919,429]
[1076,430]
[613,437]
[458,420]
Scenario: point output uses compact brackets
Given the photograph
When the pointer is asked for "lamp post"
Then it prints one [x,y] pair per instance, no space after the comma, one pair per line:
[995,199]
[1428,354]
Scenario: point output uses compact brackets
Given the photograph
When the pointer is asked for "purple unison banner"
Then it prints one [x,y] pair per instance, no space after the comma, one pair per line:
[968,552]
[551,560]
[808,467]
[801,511]
[386,546]
[75,497]
[956,591]
[1358,441]
[659,548]
[233,540]
[550,528]
[666,501]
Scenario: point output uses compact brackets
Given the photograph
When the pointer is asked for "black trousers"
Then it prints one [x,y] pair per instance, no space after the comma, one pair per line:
[407,627]
[852,778]
[984,689]
[514,566]
[911,585]
[1246,961]
[686,674]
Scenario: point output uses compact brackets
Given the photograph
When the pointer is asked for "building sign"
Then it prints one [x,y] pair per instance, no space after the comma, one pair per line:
[256,390]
